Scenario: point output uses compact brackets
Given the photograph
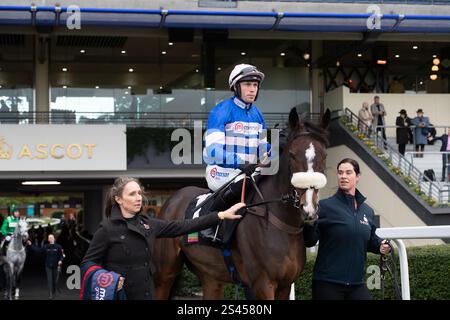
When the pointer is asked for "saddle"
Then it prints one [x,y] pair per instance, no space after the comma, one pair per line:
[216,236]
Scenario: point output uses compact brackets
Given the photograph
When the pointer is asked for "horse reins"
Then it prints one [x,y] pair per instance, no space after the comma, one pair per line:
[391,268]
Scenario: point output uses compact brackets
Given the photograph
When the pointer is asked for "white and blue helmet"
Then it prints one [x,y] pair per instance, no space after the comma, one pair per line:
[244,72]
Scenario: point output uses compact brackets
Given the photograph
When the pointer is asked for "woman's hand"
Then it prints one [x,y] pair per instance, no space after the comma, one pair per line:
[385,248]
[120,285]
[231,212]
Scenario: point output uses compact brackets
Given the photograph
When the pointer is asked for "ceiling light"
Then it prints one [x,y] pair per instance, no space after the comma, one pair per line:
[170,43]
[434,68]
[421,82]
[82,51]
[163,52]
[64,87]
[130,70]
[282,54]
[436,61]
[160,88]
[433,76]
[219,68]
[243,53]
[434,55]
[1,86]
[123,52]
[196,70]
[129,87]
[97,87]
[381,61]
[306,56]
[64,69]
[126,92]
[359,55]
[397,56]
[338,63]
[415,47]
[40,183]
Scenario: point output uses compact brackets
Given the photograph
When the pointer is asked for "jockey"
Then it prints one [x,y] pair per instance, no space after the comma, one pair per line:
[234,140]
[8,227]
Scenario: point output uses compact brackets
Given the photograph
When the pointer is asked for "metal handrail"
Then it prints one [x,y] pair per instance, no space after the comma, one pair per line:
[132,119]
[430,188]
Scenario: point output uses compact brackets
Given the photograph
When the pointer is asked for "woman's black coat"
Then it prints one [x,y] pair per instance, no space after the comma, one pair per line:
[126,247]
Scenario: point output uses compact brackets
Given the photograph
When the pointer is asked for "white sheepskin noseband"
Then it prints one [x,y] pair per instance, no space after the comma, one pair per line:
[306,180]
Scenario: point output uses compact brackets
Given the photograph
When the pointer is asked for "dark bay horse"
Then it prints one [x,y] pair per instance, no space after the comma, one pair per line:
[269,253]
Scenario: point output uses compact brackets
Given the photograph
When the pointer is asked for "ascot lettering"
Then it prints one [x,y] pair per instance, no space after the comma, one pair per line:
[57,151]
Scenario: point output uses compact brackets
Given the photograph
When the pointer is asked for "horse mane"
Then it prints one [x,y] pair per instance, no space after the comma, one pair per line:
[315,131]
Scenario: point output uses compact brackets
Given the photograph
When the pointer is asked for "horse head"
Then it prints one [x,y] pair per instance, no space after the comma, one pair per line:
[22,228]
[306,147]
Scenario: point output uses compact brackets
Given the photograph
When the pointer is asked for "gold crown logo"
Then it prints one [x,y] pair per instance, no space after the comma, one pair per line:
[6,150]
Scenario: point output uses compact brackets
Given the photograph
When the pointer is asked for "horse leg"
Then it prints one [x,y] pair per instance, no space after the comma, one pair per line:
[264,288]
[169,270]
[18,280]
[10,280]
[212,289]
[282,293]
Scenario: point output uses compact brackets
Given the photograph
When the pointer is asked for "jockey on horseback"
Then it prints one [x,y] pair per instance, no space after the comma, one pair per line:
[8,227]
[234,139]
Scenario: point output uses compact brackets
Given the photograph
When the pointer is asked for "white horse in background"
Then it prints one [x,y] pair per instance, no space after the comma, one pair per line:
[15,258]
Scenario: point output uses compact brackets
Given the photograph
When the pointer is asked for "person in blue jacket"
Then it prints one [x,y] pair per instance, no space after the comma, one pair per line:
[235,140]
[346,232]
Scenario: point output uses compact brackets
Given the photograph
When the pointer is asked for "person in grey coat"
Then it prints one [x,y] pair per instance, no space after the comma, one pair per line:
[378,112]
[421,124]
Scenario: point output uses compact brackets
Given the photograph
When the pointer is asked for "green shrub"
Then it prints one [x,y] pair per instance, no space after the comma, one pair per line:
[429,276]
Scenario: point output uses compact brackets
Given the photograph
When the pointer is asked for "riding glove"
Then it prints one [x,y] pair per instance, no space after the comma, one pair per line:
[248,169]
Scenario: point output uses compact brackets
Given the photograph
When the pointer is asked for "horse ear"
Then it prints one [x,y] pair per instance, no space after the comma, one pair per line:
[294,120]
[325,122]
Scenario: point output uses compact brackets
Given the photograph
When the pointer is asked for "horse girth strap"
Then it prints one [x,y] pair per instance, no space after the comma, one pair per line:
[273,219]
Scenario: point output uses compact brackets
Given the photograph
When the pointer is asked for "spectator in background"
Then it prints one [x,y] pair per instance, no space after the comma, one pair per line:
[445,147]
[365,116]
[378,121]
[54,256]
[403,123]
[40,235]
[396,86]
[420,132]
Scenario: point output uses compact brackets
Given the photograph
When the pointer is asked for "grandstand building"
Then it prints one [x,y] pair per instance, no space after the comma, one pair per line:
[91,90]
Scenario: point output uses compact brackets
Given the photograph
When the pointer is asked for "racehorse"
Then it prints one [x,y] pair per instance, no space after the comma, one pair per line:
[268,249]
[15,257]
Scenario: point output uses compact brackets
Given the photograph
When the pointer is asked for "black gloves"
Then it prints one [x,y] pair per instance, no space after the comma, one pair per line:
[248,169]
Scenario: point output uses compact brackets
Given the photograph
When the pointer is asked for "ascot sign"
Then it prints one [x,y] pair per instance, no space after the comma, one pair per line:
[62,147]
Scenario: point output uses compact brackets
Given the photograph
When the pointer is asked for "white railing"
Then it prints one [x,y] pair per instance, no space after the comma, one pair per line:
[397,234]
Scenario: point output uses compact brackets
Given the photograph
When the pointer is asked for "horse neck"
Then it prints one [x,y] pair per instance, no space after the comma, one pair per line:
[278,185]
[16,241]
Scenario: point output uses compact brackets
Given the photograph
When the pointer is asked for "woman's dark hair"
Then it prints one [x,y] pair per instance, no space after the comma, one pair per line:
[354,163]
[117,190]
